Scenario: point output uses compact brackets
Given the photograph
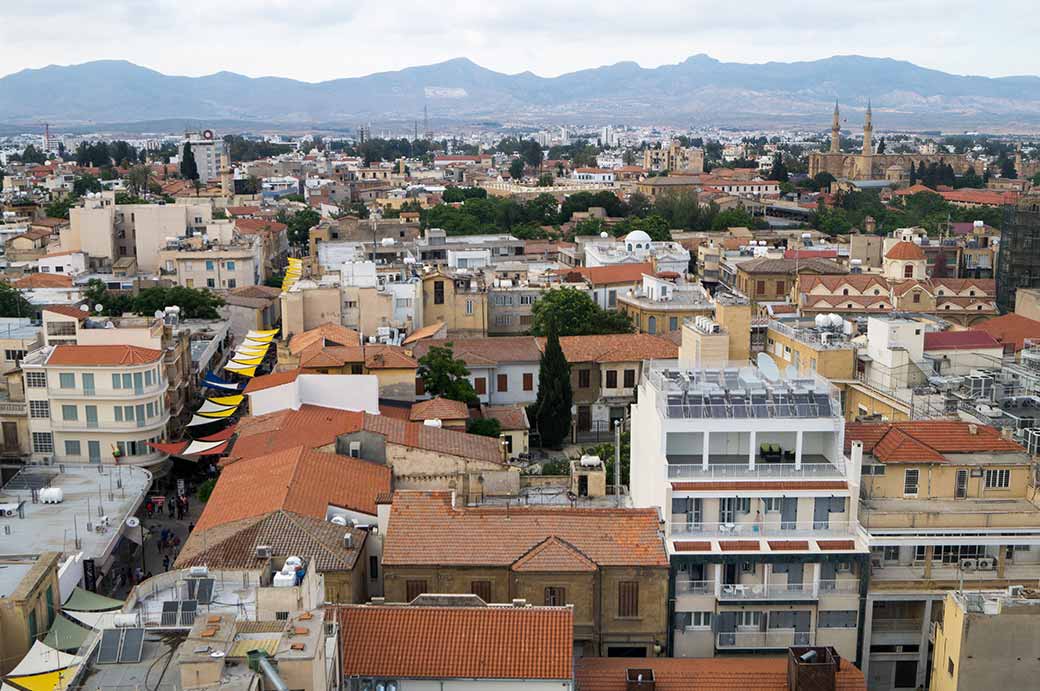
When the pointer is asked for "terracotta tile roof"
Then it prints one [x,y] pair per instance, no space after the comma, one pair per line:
[738,545]
[379,356]
[444,441]
[616,348]
[425,529]
[758,673]
[412,642]
[611,275]
[509,417]
[425,332]
[959,340]
[765,265]
[859,282]
[806,254]
[692,546]
[68,311]
[439,409]
[326,334]
[66,253]
[102,355]
[299,480]
[38,280]
[477,352]
[268,381]
[260,292]
[242,210]
[233,545]
[905,251]
[789,545]
[913,189]
[983,197]
[554,555]
[925,441]
[763,485]
[836,545]
[396,409]
[1011,329]
[258,226]
[316,355]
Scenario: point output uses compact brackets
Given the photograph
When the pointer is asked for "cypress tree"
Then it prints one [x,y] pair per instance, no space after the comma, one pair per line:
[189,169]
[553,406]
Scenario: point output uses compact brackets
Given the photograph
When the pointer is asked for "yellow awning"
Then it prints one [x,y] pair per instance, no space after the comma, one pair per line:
[219,413]
[58,680]
[227,400]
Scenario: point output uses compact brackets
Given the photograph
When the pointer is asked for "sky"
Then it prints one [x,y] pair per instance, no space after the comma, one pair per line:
[315,40]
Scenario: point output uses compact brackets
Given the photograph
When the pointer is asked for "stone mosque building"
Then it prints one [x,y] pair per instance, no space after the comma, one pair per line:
[869,165]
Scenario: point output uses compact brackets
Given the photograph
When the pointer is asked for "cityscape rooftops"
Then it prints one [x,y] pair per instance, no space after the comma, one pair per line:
[819,335]
[933,441]
[92,356]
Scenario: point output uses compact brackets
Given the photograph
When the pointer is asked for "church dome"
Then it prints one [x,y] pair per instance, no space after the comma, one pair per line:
[904,250]
[637,238]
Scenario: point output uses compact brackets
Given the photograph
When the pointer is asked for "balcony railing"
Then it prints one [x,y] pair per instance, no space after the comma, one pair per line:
[761,471]
[768,591]
[695,587]
[760,530]
[12,408]
[777,638]
[897,625]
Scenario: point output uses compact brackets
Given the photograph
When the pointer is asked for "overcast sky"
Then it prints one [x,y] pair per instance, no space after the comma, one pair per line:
[315,40]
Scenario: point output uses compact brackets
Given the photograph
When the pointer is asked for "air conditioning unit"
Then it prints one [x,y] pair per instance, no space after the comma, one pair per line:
[969,564]
[987,564]
[263,551]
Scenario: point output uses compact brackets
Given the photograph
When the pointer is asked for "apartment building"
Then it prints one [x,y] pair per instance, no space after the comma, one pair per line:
[947,505]
[766,279]
[219,268]
[96,403]
[607,283]
[211,154]
[674,156]
[663,300]
[609,564]
[759,506]
[458,299]
[818,346]
[503,370]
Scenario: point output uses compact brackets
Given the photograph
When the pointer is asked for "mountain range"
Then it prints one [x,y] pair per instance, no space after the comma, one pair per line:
[699,91]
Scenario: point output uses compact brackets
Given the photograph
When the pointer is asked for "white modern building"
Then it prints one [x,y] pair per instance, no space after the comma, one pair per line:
[637,247]
[210,152]
[759,506]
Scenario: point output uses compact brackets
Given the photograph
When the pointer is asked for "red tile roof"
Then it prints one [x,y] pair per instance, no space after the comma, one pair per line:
[616,348]
[68,311]
[299,480]
[425,332]
[509,417]
[477,352]
[268,381]
[258,226]
[415,642]
[554,555]
[439,409]
[326,334]
[1011,329]
[102,355]
[379,356]
[758,673]
[426,529]
[905,251]
[925,441]
[959,340]
[38,280]
[611,275]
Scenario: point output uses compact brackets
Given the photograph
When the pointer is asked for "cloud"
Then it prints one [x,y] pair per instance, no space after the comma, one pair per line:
[326,39]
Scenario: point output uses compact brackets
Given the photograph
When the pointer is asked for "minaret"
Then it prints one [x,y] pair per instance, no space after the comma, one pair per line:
[868,134]
[836,132]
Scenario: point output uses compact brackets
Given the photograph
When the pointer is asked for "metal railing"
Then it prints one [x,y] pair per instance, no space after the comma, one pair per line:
[775,638]
[758,529]
[766,591]
[762,470]
[907,625]
[695,587]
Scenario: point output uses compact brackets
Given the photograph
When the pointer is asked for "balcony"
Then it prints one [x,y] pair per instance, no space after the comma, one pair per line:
[738,592]
[740,470]
[761,640]
[723,531]
[12,408]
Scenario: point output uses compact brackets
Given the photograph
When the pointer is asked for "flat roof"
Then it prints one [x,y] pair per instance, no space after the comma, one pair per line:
[11,574]
[145,674]
[54,527]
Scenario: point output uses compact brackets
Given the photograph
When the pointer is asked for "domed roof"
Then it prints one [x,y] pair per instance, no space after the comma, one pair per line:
[906,251]
[637,236]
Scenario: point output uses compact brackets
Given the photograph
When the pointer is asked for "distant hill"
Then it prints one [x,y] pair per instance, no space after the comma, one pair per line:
[698,91]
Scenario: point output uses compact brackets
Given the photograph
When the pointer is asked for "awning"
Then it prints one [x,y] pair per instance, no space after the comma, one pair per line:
[211,407]
[197,420]
[251,351]
[43,669]
[214,382]
[268,333]
[65,634]
[227,400]
[247,361]
[82,600]
[227,411]
[222,435]
[204,448]
[95,620]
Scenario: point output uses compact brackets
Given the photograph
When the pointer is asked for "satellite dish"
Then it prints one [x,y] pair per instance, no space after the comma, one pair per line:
[84,308]
[791,372]
[99,308]
[133,522]
[159,314]
[768,368]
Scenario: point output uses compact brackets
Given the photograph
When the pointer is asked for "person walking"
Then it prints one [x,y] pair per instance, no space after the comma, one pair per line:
[170,507]
[166,562]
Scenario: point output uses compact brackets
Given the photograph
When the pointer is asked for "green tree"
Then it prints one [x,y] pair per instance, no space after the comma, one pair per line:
[112,304]
[195,303]
[779,171]
[545,180]
[189,169]
[443,375]
[13,303]
[300,224]
[486,427]
[821,181]
[606,453]
[1036,179]
[85,183]
[639,205]
[33,155]
[137,179]
[531,152]
[516,169]
[553,405]
[59,208]
[1007,169]
[736,217]
[571,312]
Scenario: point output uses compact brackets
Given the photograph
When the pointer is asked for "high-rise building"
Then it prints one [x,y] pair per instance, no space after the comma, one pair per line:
[1018,260]
[211,154]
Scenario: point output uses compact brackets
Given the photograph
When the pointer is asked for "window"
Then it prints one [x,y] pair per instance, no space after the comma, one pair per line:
[748,620]
[673,323]
[438,292]
[961,488]
[72,447]
[555,597]
[611,378]
[232,283]
[584,378]
[781,620]
[890,553]
[480,385]
[917,298]
[373,567]
[908,271]
[780,288]
[469,307]
[693,620]
[481,589]
[414,589]
[949,666]
[88,384]
[840,619]
[39,409]
[420,387]
[36,380]
[528,381]
[42,442]
[628,599]
[998,479]
[61,328]
[502,381]
[209,265]
[14,355]
[612,298]
[230,266]
[771,504]
[651,325]
[760,287]
[67,380]
[281,616]
[119,413]
[69,413]
[211,283]
[630,378]
[128,382]
[910,479]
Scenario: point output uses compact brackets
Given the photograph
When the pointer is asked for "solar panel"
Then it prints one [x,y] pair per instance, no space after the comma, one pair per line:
[188,608]
[169,612]
[133,642]
[205,591]
[108,651]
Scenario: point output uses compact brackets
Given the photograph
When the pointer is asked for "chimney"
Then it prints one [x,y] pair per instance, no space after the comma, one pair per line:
[812,668]
[639,679]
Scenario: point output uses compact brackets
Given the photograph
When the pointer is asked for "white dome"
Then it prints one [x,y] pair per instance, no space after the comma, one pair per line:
[637,237]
